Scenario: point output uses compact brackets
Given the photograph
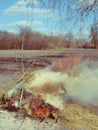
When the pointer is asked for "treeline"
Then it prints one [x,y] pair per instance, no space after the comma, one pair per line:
[29,40]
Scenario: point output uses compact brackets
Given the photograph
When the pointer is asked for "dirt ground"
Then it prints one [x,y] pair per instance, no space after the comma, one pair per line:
[8,121]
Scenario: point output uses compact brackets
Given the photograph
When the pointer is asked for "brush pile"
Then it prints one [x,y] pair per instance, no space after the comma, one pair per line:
[73,116]
[31,106]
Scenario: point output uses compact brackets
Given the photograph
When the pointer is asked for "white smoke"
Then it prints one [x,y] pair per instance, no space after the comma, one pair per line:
[79,82]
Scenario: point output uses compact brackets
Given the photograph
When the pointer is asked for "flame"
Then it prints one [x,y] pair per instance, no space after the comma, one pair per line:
[41,109]
[44,111]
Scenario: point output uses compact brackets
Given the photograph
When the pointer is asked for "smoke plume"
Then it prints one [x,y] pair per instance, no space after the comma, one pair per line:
[75,78]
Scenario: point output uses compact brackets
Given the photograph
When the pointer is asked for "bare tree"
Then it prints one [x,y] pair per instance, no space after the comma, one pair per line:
[94,35]
[24,32]
[73,12]
[69,39]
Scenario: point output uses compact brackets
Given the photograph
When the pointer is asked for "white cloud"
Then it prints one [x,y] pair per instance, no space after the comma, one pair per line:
[12,31]
[36,26]
[20,8]
[84,34]
[4,25]
[48,31]
[87,1]
[22,23]
[26,3]
[13,27]
[16,10]
[55,32]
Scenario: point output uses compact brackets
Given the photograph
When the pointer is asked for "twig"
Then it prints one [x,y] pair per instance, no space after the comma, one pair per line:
[21,96]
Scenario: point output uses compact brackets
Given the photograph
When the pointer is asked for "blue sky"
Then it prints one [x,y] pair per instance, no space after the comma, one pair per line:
[13,13]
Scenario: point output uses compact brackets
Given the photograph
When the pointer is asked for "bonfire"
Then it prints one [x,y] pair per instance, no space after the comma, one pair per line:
[32,106]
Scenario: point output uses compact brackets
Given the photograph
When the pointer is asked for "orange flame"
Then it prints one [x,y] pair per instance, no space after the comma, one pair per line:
[42,110]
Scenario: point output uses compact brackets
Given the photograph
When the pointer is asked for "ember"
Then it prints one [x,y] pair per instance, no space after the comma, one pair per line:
[42,110]
[45,111]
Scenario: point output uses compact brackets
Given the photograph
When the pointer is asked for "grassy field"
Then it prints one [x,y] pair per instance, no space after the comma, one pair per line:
[54,52]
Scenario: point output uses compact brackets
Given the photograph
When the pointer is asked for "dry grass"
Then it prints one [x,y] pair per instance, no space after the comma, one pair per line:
[52,52]
[76,117]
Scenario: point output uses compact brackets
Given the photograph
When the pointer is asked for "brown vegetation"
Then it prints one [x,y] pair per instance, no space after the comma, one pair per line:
[28,40]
